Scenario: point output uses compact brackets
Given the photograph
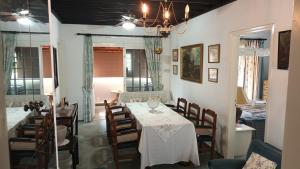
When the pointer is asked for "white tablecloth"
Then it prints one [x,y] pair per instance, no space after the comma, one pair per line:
[166,136]
[15,116]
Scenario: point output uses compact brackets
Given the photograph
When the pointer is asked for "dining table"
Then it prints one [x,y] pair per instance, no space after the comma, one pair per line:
[166,137]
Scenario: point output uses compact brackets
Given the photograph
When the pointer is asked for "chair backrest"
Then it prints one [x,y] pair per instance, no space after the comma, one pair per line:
[209,118]
[193,113]
[266,150]
[181,105]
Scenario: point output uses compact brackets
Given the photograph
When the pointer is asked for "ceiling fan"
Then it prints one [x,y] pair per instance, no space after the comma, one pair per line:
[22,16]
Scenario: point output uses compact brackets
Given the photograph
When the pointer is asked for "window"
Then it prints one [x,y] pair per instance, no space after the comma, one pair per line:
[108,62]
[137,74]
[25,76]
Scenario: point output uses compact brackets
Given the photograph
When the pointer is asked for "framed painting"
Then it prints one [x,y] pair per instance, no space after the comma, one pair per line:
[213,75]
[214,53]
[175,55]
[175,69]
[191,63]
[55,68]
[284,40]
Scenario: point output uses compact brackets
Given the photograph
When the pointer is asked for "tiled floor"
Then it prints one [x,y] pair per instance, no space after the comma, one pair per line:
[95,152]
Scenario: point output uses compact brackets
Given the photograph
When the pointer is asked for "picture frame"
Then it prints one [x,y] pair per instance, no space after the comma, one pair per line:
[191,63]
[55,68]
[214,53]
[284,39]
[213,75]
[175,55]
[175,69]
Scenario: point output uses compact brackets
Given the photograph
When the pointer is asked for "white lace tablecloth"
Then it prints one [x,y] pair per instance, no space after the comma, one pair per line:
[15,116]
[166,136]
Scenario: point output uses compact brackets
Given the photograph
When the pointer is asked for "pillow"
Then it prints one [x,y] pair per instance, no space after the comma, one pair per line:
[257,161]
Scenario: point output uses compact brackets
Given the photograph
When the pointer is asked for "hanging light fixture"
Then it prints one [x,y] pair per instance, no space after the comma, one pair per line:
[166,8]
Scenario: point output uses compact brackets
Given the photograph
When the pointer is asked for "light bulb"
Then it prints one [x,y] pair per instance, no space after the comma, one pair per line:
[24,12]
[186,11]
[167,14]
[144,10]
[24,21]
[128,25]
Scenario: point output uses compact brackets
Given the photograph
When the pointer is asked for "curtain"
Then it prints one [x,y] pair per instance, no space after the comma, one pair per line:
[9,44]
[88,79]
[249,67]
[153,61]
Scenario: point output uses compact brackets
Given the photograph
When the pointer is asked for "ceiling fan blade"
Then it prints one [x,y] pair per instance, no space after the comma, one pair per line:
[119,24]
[6,13]
[8,18]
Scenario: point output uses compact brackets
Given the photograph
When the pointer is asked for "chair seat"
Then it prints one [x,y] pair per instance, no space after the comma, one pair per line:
[123,126]
[127,137]
[18,146]
[203,131]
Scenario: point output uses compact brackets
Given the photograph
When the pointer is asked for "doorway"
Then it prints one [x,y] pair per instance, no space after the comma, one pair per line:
[108,77]
[249,83]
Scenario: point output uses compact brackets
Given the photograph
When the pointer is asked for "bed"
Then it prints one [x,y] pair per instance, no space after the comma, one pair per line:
[15,116]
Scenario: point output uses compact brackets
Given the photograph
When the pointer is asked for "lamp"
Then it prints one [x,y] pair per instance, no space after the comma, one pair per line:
[167,9]
[128,25]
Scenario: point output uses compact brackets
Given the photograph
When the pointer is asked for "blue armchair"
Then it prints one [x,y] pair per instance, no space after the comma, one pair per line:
[257,146]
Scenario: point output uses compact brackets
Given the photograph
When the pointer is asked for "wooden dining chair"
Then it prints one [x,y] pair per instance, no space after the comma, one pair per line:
[206,131]
[34,149]
[123,139]
[121,118]
[193,114]
[181,106]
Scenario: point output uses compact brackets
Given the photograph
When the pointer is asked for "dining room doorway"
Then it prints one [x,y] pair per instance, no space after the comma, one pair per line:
[251,56]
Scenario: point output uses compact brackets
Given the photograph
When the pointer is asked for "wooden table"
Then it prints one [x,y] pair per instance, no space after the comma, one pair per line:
[69,118]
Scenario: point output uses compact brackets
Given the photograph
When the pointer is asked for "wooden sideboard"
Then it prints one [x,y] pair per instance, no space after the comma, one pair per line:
[69,117]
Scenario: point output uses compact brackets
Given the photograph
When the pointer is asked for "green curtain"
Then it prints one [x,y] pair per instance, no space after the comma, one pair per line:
[88,79]
[9,41]
[153,61]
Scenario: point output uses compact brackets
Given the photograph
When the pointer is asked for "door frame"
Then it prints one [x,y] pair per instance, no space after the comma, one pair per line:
[234,53]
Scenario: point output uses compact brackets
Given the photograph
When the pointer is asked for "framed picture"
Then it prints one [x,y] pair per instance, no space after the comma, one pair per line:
[175,69]
[214,53]
[55,68]
[213,75]
[284,40]
[191,63]
[175,55]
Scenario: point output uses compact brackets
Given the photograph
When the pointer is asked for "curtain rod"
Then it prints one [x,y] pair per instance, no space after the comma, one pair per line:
[130,36]
[252,39]
[21,32]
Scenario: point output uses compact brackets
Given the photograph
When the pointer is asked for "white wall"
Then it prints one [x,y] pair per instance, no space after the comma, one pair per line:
[215,27]
[71,47]
[291,149]
[55,27]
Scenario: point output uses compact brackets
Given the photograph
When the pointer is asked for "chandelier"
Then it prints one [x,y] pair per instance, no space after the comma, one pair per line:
[165,10]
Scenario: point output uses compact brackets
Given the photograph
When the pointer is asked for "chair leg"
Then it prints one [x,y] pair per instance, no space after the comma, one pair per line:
[116,159]
[212,150]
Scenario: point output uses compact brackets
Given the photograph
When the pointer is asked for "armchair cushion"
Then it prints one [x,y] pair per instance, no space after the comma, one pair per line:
[226,164]
[257,161]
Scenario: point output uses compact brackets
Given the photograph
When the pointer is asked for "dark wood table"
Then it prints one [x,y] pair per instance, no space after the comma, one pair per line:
[69,118]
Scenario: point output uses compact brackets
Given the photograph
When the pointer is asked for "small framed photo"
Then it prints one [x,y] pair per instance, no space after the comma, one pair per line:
[214,53]
[284,40]
[213,75]
[175,55]
[175,69]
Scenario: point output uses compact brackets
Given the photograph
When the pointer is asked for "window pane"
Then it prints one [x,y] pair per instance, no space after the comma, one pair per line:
[25,78]
[137,76]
